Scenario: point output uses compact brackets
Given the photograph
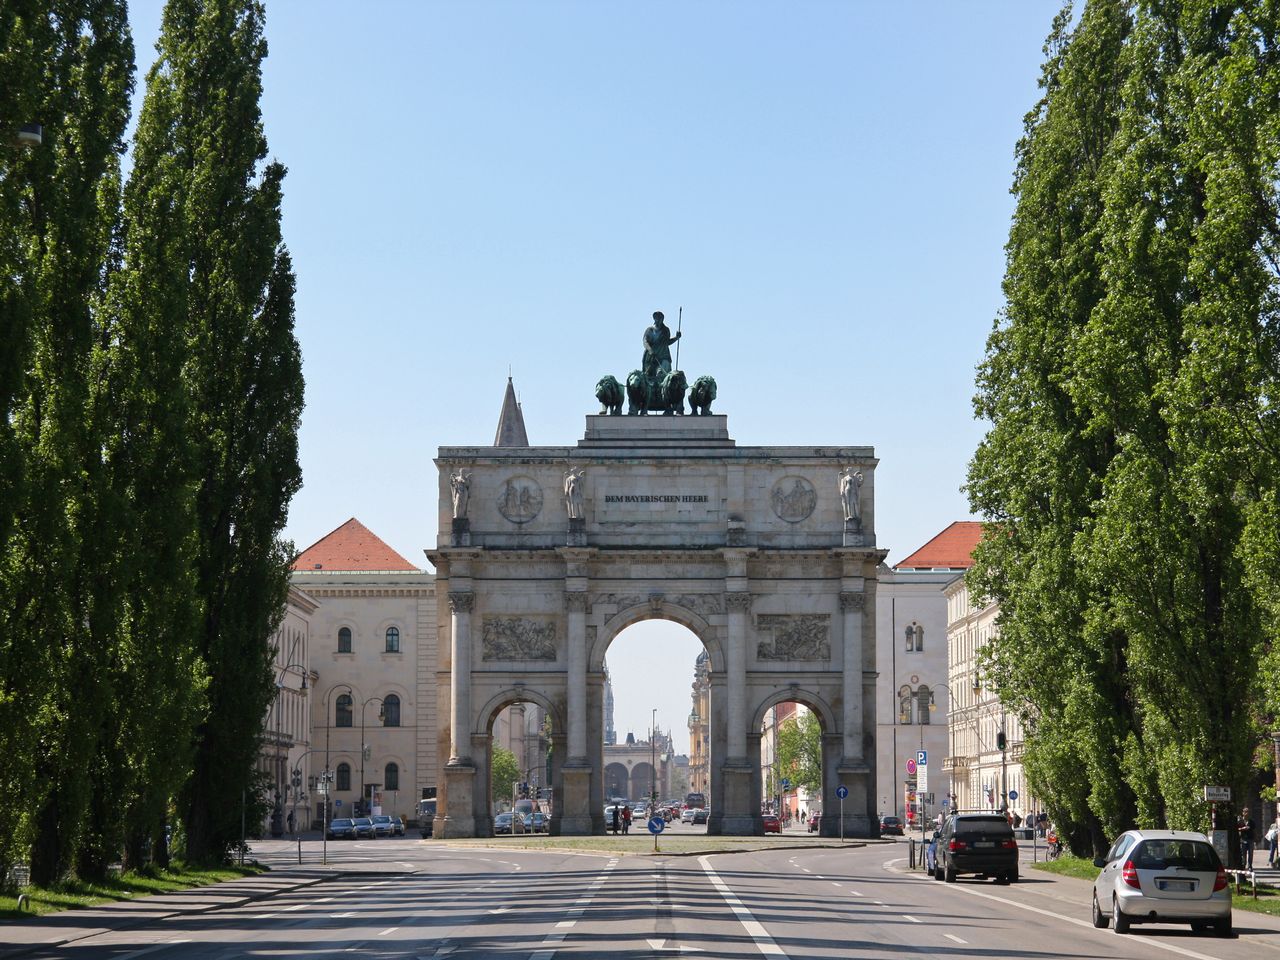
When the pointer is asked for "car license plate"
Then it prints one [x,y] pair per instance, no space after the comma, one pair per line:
[1177,886]
[985,843]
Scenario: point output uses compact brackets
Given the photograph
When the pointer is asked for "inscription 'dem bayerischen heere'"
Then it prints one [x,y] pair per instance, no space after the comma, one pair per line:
[656,498]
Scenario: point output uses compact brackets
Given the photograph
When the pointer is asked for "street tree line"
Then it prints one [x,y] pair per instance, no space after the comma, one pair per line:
[151,390]
[1131,474]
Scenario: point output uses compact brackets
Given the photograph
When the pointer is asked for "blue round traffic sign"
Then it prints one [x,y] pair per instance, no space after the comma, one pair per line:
[842,791]
[1013,794]
[657,825]
[785,783]
[337,803]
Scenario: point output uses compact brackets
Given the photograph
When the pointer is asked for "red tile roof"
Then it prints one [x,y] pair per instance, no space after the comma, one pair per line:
[951,549]
[351,547]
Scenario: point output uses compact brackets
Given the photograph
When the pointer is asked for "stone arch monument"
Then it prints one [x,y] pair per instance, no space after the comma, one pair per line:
[548,553]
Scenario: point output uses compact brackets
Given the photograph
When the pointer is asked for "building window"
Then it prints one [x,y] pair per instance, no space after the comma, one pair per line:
[343,717]
[344,776]
[391,710]
[924,699]
[914,637]
[393,640]
[391,777]
[344,640]
[906,701]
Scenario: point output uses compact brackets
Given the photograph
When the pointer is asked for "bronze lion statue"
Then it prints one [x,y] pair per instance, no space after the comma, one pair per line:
[609,393]
[700,397]
[637,393]
[673,387]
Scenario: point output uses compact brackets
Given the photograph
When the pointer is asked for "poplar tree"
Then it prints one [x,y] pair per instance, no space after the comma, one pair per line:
[1130,386]
[68,65]
[242,376]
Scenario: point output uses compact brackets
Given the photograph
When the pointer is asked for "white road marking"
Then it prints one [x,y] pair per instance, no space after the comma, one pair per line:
[500,910]
[835,883]
[388,930]
[546,949]
[911,918]
[952,936]
[855,893]
[764,943]
[567,923]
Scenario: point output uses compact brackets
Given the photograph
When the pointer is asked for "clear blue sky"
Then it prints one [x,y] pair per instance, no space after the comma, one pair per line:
[823,186]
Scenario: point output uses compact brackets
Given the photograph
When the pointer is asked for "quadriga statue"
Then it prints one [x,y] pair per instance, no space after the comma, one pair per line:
[700,397]
[673,387]
[609,393]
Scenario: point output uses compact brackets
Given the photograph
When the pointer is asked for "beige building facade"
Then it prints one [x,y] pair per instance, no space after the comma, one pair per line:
[286,758]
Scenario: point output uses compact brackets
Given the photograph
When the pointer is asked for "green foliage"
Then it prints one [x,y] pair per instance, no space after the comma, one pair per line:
[1130,470]
[504,773]
[799,752]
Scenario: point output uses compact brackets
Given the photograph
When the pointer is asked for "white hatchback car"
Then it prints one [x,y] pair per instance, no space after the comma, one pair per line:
[1162,876]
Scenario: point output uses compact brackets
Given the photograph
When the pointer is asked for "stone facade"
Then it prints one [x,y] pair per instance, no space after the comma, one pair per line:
[287,730]
[746,547]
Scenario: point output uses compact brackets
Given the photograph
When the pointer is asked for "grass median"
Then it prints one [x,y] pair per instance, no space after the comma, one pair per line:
[74,894]
[641,844]
[1268,900]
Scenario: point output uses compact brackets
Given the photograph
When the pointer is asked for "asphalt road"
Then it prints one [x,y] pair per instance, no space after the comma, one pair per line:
[541,905]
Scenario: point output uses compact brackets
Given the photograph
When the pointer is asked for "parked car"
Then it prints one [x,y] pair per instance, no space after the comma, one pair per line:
[365,828]
[1162,876]
[771,823]
[537,822]
[342,829]
[700,815]
[508,823]
[977,843]
[815,823]
[383,825]
[397,824]
[891,826]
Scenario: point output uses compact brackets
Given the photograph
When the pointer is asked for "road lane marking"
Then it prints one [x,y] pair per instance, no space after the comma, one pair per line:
[1145,941]
[911,918]
[952,936]
[764,943]
[388,930]
[546,949]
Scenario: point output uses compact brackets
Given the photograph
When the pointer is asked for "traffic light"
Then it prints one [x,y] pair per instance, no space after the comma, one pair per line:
[1001,741]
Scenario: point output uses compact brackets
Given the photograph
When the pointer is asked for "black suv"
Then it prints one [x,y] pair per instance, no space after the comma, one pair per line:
[978,843]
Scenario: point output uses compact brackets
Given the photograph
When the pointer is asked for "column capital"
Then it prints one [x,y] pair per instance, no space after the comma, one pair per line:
[461,601]
[575,601]
[737,602]
[852,600]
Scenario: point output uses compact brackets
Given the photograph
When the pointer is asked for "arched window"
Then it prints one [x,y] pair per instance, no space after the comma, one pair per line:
[343,715]
[391,777]
[924,699]
[391,710]
[919,638]
[905,703]
[344,776]
[910,636]
[344,640]
[393,640]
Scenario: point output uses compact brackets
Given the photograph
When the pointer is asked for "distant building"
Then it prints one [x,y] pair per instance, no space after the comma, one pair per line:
[287,733]
[913,703]
[699,727]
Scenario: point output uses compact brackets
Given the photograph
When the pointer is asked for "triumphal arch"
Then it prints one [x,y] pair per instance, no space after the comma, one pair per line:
[767,554]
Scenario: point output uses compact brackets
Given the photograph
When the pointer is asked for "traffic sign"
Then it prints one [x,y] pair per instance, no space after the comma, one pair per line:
[922,758]
[842,791]
[922,776]
[911,766]
[337,803]
[786,784]
[657,825]
[1013,794]
[1217,794]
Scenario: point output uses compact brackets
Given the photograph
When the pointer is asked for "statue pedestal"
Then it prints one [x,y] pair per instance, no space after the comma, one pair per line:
[577,533]
[575,821]
[461,532]
[853,533]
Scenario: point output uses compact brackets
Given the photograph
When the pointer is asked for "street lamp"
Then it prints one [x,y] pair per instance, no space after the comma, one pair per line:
[277,808]
[653,762]
[364,747]
[324,816]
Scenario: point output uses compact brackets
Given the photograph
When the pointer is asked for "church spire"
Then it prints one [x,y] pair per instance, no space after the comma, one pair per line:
[511,422]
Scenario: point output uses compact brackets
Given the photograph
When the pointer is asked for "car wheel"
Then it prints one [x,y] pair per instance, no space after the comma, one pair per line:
[1223,927]
[1013,875]
[1199,926]
[1100,919]
[1001,878]
[1118,919]
[949,874]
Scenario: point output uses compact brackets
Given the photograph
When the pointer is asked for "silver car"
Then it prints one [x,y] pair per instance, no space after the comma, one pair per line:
[1162,876]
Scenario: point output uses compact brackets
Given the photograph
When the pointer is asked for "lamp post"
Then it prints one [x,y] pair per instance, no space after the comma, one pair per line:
[364,747]
[277,807]
[324,816]
[653,761]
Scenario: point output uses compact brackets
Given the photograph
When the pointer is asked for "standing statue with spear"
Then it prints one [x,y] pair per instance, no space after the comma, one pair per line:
[656,362]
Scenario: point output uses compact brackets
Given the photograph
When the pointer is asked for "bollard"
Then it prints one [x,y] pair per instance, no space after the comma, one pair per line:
[24,902]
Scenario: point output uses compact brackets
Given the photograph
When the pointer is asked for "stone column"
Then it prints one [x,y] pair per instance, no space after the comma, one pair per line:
[737,604]
[576,817]
[461,603]
[459,818]
[852,604]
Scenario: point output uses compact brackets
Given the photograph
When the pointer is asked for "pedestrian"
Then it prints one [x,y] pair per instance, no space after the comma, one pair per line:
[1273,840]
[291,821]
[626,819]
[1017,820]
[1246,839]
[614,825]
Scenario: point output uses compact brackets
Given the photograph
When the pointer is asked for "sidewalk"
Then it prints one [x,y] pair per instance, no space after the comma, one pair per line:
[18,937]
